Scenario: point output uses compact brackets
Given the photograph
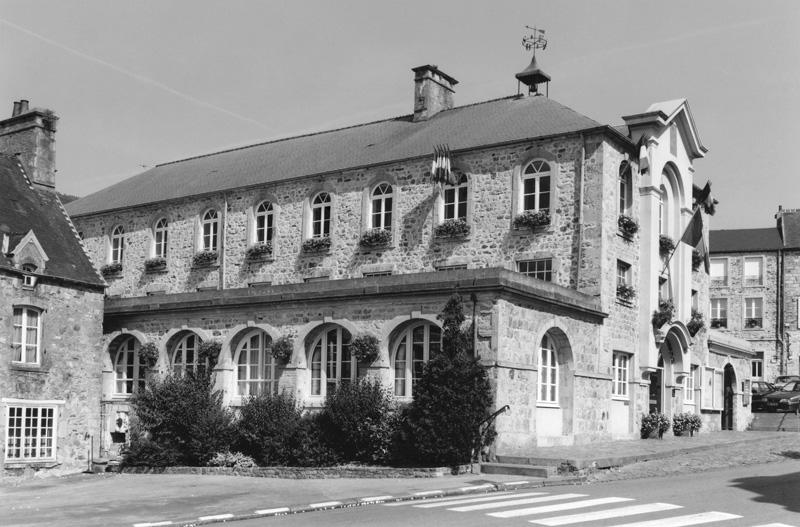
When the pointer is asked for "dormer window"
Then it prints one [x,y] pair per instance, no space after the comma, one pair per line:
[28,280]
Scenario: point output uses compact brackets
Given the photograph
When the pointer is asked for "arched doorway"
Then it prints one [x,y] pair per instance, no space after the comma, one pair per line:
[729,383]
[657,386]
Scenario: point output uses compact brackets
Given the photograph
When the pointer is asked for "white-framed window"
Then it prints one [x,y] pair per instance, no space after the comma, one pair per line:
[548,372]
[321,211]
[381,206]
[719,271]
[753,270]
[541,268]
[719,312]
[623,273]
[662,210]
[412,350]
[757,366]
[620,367]
[209,226]
[30,431]
[117,244]
[536,186]
[455,198]
[331,361]
[129,368]
[712,389]
[160,238]
[625,189]
[184,355]
[264,223]
[257,371]
[28,280]
[753,313]
[688,385]
[26,342]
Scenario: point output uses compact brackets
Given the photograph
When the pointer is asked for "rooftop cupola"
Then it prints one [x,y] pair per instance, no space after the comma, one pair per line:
[533,75]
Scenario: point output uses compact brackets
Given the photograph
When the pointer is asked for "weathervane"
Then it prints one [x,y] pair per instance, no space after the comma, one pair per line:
[535,40]
[532,76]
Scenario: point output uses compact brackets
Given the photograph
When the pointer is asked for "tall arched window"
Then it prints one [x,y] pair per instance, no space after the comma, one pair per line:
[129,369]
[414,347]
[536,186]
[184,355]
[321,215]
[264,223]
[160,238]
[331,362]
[256,369]
[663,211]
[455,200]
[117,244]
[210,231]
[625,189]
[548,371]
[381,211]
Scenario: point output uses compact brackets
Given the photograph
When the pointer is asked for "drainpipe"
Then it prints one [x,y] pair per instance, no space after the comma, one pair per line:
[580,212]
[779,344]
[223,242]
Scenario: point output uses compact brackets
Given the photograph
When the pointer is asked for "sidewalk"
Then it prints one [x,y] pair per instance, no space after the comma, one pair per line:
[143,499]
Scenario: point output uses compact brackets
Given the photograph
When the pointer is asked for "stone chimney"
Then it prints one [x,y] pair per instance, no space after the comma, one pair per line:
[433,92]
[30,135]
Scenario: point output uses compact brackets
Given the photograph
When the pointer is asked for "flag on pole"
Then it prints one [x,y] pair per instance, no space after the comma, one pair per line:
[441,172]
[693,236]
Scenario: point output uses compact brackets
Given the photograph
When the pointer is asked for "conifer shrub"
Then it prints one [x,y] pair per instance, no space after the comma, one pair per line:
[267,428]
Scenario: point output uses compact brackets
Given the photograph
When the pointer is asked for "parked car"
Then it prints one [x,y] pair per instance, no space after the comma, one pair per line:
[785,399]
[783,379]
[759,389]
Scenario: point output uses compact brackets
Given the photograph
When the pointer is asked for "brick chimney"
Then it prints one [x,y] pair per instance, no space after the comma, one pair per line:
[30,135]
[433,92]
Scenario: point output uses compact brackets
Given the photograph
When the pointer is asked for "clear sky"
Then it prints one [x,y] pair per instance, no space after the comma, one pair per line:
[140,83]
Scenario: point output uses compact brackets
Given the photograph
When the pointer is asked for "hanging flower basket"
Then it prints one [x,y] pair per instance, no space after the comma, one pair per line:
[663,314]
[627,226]
[374,238]
[696,323]
[456,228]
[205,258]
[148,354]
[112,269]
[654,425]
[208,353]
[364,348]
[155,264]
[282,349]
[686,421]
[530,219]
[665,246]
[317,245]
[259,251]
[626,292]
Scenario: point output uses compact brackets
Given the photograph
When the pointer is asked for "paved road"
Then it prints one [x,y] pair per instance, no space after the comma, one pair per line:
[764,496]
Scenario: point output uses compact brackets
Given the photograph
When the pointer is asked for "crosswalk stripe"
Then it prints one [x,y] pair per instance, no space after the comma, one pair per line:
[463,501]
[438,500]
[606,514]
[683,521]
[774,525]
[514,503]
[515,513]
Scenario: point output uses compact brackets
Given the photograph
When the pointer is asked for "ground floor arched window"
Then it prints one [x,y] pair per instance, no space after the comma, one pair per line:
[548,371]
[256,369]
[129,368]
[412,349]
[184,354]
[331,361]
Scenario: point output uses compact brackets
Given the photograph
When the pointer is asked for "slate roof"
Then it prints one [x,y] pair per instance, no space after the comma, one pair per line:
[492,122]
[23,208]
[744,240]
[789,224]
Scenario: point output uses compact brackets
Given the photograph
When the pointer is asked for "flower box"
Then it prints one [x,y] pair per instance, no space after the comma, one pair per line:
[112,269]
[626,292]
[205,259]
[696,323]
[455,228]
[627,226]
[375,238]
[154,265]
[665,246]
[663,314]
[317,245]
[531,219]
[261,251]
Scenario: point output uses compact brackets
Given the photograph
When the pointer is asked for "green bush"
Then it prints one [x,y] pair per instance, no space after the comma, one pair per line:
[180,420]
[143,451]
[655,422]
[308,447]
[267,427]
[359,421]
[232,460]
[686,421]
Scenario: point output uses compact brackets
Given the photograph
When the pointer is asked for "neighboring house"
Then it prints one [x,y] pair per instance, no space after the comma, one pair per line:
[326,236]
[755,291]
[51,311]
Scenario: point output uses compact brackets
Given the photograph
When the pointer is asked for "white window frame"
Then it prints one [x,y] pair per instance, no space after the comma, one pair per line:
[209,230]
[322,206]
[725,267]
[28,279]
[128,358]
[117,245]
[623,273]
[263,222]
[188,343]
[381,207]
[625,189]
[534,171]
[749,311]
[759,278]
[542,268]
[405,373]
[711,388]
[330,366]
[621,374]
[16,433]
[456,198]
[21,342]
[757,368]
[160,238]
[718,310]
[255,349]
[547,386]
[689,385]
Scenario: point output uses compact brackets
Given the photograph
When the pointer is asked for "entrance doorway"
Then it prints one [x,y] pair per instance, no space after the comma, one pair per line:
[656,385]
[728,382]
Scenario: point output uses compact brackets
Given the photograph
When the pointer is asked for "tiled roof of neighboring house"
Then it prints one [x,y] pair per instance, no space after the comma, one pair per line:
[24,208]
[744,240]
[488,123]
[789,224]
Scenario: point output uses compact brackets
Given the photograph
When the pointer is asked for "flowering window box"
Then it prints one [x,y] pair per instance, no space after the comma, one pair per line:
[205,259]
[260,252]
[111,270]
[375,239]
[665,246]
[317,245]
[532,219]
[155,265]
[452,229]
[627,226]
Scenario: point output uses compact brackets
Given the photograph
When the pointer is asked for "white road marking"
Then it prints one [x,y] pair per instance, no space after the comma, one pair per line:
[511,483]
[630,510]
[514,503]
[323,504]
[427,492]
[436,500]
[215,517]
[427,504]
[152,524]
[273,511]
[375,499]
[774,525]
[557,507]
[683,521]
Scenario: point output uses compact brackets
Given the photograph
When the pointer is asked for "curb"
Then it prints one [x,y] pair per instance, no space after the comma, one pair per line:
[368,500]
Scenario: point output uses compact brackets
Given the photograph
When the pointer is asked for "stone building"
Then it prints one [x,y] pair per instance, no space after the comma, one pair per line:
[51,309]
[326,236]
[755,292]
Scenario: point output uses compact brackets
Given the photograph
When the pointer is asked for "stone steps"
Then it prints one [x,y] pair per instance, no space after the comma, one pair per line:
[517,469]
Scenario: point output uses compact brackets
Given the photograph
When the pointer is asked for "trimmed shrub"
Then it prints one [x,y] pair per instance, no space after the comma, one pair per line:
[232,460]
[375,238]
[144,452]
[308,447]
[455,228]
[205,258]
[317,245]
[530,219]
[267,427]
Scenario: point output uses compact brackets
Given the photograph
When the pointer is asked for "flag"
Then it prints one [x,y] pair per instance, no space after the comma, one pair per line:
[441,172]
[693,235]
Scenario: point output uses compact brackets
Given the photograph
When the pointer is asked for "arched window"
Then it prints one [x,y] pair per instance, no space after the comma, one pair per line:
[663,211]
[548,371]
[536,186]
[210,231]
[625,189]
[117,244]
[184,355]
[455,200]
[27,335]
[129,369]
[382,207]
[264,223]
[160,238]
[256,368]
[331,362]
[414,347]
[321,215]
